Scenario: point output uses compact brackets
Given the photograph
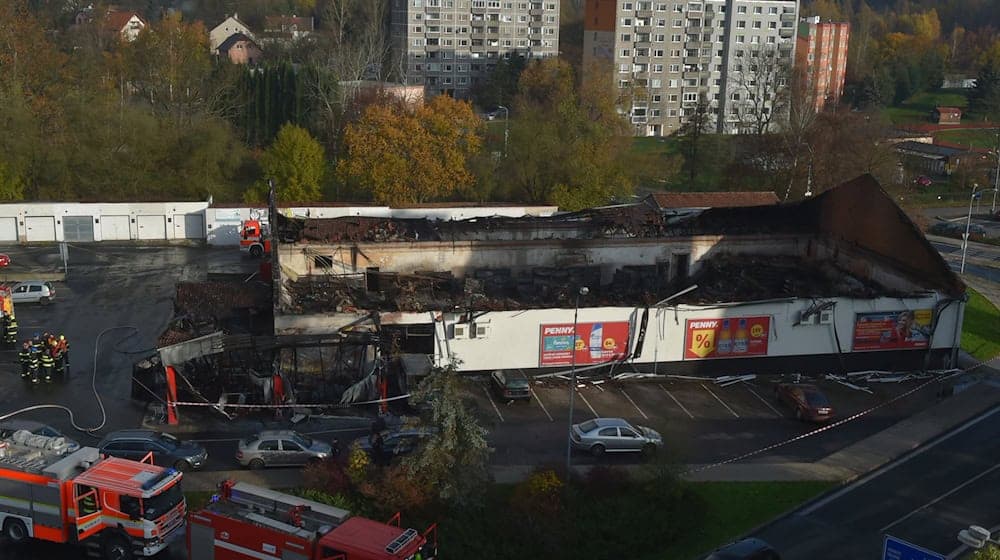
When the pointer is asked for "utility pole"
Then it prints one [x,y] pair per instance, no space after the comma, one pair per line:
[572,384]
[996,178]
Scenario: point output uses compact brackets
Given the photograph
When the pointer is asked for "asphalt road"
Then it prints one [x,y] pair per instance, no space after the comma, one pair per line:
[925,499]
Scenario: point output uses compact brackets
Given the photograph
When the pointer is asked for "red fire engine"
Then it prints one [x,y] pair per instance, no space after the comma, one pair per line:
[249,522]
[254,236]
[119,507]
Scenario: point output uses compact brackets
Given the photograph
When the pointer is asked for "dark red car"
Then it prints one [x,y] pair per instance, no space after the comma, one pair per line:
[4,260]
[809,403]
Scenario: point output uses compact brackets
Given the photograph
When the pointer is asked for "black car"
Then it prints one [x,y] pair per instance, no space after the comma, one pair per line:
[746,549]
[167,450]
[383,446]
[510,386]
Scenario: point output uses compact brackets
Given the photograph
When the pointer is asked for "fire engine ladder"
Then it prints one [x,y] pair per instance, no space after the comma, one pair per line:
[276,510]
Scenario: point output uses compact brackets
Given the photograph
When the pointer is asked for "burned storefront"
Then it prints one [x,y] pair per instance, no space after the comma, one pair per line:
[842,281]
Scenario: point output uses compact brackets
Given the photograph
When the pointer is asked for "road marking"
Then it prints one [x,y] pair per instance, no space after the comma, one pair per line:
[881,470]
[763,400]
[488,396]
[635,405]
[596,415]
[939,498]
[669,394]
[540,403]
[722,402]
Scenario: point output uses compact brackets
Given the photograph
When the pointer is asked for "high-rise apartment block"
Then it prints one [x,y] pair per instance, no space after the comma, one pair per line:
[449,46]
[672,56]
[821,56]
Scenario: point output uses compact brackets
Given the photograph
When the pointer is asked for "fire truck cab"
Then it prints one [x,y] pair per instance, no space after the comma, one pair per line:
[247,522]
[115,507]
[254,236]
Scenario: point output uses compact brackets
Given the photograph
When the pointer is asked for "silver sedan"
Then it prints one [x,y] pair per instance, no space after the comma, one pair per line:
[614,435]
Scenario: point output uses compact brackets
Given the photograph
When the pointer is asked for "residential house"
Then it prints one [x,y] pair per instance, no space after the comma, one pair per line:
[229,27]
[127,24]
[286,29]
[412,95]
[958,81]
[240,49]
[946,115]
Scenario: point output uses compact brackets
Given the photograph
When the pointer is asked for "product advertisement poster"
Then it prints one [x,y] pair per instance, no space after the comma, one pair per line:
[891,330]
[730,337]
[595,343]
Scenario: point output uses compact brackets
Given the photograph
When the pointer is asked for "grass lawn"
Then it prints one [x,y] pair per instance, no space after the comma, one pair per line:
[737,507]
[981,328]
[975,138]
[917,109]
[715,155]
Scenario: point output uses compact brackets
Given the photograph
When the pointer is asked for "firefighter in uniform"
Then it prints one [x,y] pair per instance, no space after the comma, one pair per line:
[36,343]
[33,364]
[48,364]
[64,351]
[57,356]
[24,356]
[10,330]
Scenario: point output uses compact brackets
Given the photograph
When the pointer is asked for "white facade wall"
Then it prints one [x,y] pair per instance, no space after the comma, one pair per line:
[44,221]
[512,338]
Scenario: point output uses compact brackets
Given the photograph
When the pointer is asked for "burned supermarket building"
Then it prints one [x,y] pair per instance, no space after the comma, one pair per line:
[840,282]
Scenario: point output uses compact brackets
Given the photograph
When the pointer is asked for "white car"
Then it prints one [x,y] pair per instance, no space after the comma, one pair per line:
[33,291]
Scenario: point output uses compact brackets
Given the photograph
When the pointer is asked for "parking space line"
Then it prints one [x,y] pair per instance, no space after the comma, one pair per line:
[671,395]
[540,403]
[635,405]
[763,400]
[596,415]
[722,402]
[490,397]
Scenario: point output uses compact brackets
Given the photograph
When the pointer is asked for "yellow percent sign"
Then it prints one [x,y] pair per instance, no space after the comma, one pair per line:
[702,342]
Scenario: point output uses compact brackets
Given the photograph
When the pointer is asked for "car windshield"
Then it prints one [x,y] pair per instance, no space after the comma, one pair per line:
[588,426]
[155,507]
[816,399]
[302,440]
[517,383]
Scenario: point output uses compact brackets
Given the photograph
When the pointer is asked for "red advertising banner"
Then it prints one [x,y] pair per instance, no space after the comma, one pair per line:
[730,337]
[891,330]
[595,343]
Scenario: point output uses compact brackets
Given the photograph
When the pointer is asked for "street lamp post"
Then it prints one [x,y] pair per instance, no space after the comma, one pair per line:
[506,128]
[968,223]
[572,384]
[996,178]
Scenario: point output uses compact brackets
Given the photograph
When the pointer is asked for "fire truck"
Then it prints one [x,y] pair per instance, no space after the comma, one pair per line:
[115,508]
[254,236]
[246,522]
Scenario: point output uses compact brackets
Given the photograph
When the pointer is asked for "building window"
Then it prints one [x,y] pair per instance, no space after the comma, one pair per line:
[741,9]
[741,25]
[757,25]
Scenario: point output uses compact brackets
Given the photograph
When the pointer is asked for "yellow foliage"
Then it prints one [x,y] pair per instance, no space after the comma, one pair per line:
[358,463]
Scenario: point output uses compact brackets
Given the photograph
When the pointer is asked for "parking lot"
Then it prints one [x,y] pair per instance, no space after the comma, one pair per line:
[701,422]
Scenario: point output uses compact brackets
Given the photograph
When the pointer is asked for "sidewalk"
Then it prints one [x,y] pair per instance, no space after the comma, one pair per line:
[846,464]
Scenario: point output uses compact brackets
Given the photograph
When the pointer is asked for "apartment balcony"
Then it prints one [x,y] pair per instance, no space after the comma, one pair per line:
[692,60]
[694,45]
[786,32]
[643,29]
[788,16]
[536,12]
[644,13]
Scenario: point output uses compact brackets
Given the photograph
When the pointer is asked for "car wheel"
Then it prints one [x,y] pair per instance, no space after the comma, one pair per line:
[597,450]
[648,450]
[313,461]
[256,251]
[15,530]
[182,465]
[256,464]
[43,301]
[116,547]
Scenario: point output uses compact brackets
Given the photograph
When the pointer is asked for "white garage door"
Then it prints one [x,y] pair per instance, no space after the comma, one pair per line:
[8,229]
[40,228]
[114,228]
[152,227]
[189,226]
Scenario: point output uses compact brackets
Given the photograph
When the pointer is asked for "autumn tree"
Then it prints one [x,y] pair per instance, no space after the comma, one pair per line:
[989,552]
[759,81]
[569,144]
[296,163]
[404,155]
[698,123]
[455,459]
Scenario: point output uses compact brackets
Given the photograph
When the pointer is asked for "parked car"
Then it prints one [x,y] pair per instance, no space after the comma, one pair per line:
[746,549]
[4,260]
[510,386]
[491,115]
[8,427]
[281,448]
[957,230]
[614,435]
[33,291]
[394,443]
[808,402]
[923,181]
[167,450]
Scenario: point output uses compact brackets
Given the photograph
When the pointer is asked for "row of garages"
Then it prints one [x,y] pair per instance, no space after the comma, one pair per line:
[32,229]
